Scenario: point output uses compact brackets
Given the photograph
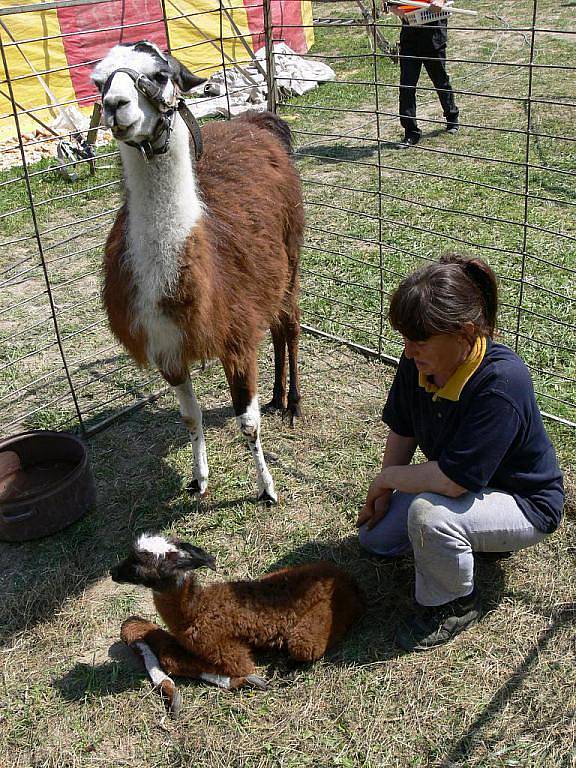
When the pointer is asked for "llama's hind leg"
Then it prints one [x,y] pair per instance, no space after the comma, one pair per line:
[292,335]
[278,402]
[163,655]
[192,416]
[245,400]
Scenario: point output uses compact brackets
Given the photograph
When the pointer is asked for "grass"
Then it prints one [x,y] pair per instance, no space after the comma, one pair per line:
[501,695]
[366,227]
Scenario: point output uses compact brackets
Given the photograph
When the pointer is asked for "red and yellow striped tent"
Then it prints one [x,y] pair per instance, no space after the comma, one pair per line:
[50,53]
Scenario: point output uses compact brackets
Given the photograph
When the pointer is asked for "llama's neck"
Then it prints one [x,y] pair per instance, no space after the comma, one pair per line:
[164,206]
[177,604]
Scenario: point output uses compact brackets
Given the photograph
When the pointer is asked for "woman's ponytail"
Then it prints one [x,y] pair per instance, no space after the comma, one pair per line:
[478,271]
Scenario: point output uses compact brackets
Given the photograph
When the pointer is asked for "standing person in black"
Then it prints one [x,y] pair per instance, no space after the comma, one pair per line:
[426,45]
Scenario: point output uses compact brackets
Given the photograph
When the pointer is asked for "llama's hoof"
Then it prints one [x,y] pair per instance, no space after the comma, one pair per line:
[255,681]
[292,413]
[172,697]
[267,499]
[194,489]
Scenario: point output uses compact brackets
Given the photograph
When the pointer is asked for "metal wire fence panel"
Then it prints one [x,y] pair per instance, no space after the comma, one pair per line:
[59,365]
[502,188]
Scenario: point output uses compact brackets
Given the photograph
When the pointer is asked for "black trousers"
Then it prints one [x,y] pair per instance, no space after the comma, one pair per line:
[425,45]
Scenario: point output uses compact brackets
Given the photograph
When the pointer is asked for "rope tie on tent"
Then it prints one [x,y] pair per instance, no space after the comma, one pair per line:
[167,109]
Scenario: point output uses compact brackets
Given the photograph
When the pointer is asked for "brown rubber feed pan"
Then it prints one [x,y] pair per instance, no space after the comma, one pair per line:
[45,484]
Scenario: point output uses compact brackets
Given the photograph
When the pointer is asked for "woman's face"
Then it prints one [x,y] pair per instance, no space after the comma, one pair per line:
[438,355]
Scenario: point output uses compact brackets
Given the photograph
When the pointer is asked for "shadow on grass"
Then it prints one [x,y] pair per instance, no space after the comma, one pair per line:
[338,152]
[388,587]
[342,152]
[137,489]
[86,681]
[459,752]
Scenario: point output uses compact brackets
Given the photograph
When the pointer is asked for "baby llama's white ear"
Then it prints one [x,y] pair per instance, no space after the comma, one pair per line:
[184,79]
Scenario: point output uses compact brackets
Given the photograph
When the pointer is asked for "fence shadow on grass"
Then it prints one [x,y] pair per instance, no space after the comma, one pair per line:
[460,752]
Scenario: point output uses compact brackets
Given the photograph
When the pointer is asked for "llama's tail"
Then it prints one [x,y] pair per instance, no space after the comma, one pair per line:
[271,122]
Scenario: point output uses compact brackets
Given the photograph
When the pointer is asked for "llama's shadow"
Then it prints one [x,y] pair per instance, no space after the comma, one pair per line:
[93,680]
[387,587]
[138,488]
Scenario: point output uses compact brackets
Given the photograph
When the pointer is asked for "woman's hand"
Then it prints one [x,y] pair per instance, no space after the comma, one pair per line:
[437,5]
[376,504]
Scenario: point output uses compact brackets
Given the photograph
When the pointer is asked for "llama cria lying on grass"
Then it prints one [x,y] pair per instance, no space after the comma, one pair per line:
[203,256]
[213,630]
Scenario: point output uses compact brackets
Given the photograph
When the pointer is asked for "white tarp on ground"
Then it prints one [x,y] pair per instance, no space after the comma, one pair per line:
[247,86]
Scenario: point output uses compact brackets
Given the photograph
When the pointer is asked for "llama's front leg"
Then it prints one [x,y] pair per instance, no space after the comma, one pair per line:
[162,656]
[192,416]
[245,401]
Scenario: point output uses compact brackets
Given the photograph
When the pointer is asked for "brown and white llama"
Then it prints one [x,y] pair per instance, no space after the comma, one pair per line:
[213,630]
[203,256]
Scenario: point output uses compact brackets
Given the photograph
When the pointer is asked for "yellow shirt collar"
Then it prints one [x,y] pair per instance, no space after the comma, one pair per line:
[455,384]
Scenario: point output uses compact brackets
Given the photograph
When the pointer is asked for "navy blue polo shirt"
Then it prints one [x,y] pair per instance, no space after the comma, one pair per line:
[492,436]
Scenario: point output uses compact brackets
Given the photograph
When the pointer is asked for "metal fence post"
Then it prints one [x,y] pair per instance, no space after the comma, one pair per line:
[269,44]
[526,173]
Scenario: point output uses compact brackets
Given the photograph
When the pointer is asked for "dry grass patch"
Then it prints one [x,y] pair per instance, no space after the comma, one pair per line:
[500,695]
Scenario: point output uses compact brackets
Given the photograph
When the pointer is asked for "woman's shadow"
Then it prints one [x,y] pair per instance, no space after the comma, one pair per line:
[388,588]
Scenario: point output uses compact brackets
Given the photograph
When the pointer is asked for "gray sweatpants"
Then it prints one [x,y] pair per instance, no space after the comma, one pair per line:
[443,533]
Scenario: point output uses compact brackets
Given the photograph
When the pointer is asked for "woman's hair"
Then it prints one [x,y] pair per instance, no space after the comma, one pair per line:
[439,298]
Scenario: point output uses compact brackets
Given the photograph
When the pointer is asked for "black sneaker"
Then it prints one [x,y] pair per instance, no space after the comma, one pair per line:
[410,140]
[435,625]
[452,123]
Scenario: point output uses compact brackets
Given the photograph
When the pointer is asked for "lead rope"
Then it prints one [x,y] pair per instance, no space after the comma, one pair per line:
[193,127]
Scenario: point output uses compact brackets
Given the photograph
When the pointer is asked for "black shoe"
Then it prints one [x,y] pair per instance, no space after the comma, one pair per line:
[435,625]
[409,141]
[452,123]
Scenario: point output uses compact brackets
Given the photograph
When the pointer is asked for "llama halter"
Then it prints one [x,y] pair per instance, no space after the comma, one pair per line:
[167,110]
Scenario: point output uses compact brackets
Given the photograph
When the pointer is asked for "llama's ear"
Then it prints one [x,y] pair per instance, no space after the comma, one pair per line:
[182,76]
[195,557]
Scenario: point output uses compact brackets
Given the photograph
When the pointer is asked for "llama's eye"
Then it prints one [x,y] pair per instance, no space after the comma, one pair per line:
[160,78]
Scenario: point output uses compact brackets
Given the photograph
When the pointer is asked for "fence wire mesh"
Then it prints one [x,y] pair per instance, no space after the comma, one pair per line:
[501,188]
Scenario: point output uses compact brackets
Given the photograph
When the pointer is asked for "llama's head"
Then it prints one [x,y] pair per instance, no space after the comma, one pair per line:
[160,563]
[136,102]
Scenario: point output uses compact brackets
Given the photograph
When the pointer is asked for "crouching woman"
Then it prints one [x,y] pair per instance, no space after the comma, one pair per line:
[490,482]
